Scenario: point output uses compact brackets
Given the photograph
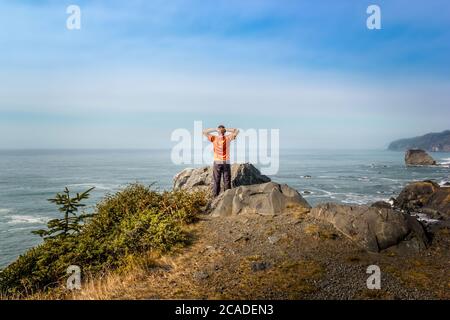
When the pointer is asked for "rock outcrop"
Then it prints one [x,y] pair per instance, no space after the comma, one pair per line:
[381,205]
[265,199]
[417,157]
[425,197]
[202,178]
[374,229]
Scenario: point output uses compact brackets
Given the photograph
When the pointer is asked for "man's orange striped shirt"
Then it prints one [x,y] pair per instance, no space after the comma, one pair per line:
[221,144]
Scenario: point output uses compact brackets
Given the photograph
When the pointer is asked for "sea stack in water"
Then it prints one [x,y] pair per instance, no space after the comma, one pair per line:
[418,157]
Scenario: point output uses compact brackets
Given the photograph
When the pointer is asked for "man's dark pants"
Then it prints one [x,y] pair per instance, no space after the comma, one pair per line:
[219,170]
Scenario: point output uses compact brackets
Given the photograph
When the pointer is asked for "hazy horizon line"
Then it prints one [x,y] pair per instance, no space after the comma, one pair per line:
[144,149]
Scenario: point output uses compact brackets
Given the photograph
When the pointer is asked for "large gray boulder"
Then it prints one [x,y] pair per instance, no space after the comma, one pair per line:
[418,157]
[202,178]
[265,199]
[373,228]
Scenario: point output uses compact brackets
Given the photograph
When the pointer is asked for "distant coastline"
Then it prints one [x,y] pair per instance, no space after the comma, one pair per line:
[432,142]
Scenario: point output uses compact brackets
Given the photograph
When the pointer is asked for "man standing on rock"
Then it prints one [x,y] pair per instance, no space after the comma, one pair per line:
[221,166]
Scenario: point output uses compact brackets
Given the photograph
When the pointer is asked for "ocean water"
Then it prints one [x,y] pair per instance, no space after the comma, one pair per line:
[29,177]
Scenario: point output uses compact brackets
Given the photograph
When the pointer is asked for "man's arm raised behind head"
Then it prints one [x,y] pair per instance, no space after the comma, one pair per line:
[234,132]
[208,131]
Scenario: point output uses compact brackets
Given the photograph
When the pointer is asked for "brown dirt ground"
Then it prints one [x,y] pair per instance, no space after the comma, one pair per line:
[288,256]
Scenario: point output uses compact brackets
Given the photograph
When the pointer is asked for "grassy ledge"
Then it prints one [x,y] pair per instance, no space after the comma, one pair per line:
[127,229]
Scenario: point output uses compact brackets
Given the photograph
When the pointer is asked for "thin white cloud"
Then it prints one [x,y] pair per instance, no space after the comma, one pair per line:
[311,94]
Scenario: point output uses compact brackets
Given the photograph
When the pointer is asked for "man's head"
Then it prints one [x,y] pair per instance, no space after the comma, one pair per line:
[221,129]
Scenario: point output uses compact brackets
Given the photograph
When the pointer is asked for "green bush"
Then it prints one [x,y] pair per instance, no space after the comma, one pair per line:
[126,224]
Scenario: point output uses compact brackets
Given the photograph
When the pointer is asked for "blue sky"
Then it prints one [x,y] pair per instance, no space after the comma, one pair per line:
[137,70]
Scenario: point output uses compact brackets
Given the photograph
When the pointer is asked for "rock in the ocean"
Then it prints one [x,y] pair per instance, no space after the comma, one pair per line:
[202,178]
[374,229]
[418,157]
[266,199]
[425,196]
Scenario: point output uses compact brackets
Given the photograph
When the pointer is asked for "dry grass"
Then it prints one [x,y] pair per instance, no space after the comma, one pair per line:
[156,276]
[291,279]
[320,232]
[110,285]
[166,277]
[299,212]
[104,286]
[421,274]
[353,259]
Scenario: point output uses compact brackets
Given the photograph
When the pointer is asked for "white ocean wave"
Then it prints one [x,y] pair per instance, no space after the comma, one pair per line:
[348,198]
[5,210]
[443,182]
[392,179]
[98,186]
[320,193]
[13,230]
[19,219]
[361,199]
[444,162]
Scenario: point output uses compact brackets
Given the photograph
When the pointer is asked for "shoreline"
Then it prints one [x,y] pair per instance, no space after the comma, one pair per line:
[307,214]
[23,221]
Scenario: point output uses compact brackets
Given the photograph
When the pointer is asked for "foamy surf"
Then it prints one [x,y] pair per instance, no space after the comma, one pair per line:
[21,219]
[4,210]
[445,162]
[362,199]
[345,198]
